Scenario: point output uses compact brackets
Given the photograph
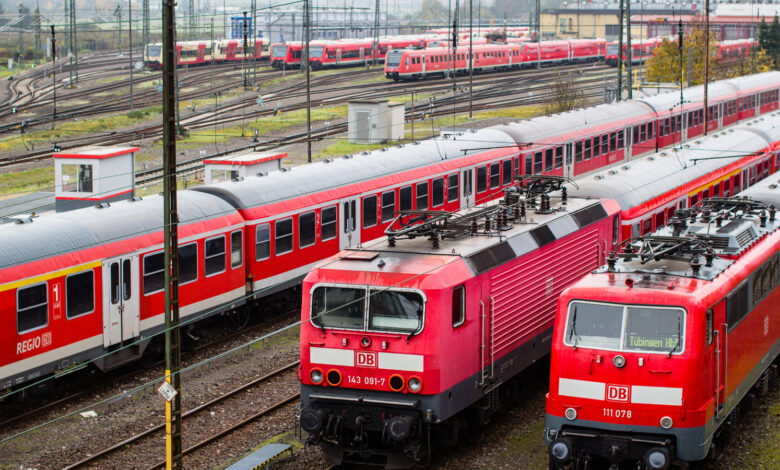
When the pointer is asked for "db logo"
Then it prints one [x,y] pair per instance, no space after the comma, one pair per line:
[617,393]
[365,359]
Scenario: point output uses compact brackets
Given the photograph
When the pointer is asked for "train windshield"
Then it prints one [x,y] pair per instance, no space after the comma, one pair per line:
[279,51]
[612,49]
[395,311]
[153,50]
[625,327]
[316,51]
[383,310]
[393,58]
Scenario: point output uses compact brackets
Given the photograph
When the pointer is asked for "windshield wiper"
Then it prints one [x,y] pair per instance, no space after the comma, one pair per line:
[573,331]
[679,335]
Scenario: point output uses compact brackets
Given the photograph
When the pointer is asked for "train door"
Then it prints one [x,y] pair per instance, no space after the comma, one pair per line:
[467,194]
[349,221]
[716,337]
[121,315]
[338,55]
[568,170]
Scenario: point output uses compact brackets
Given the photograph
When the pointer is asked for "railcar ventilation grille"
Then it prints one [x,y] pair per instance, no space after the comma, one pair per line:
[745,237]
[719,243]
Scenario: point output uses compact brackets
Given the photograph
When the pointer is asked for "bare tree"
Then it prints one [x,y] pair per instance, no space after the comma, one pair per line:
[564,95]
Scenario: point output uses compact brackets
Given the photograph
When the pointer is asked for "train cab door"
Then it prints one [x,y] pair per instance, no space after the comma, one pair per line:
[486,323]
[467,193]
[349,222]
[121,313]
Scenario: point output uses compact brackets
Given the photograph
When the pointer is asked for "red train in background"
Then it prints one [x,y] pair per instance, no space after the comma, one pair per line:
[271,230]
[192,53]
[341,53]
[641,50]
[406,340]
[654,353]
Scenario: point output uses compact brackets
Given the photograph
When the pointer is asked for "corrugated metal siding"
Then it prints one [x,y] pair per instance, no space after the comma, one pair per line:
[524,304]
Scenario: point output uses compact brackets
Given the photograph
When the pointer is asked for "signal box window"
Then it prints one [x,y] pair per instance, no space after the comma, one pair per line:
[452,188]
[422,196]
[77,178]
[79,294]
[481,179]
[405,198]
[369,211]
[188,263]
[437,192]
[32,307]
[388,206]
[262,242]
[236,249]
[284,236]
[214,261]
[458,306]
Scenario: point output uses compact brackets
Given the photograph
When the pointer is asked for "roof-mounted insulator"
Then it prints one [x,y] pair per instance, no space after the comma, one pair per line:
[771,212]
[611,261]
[564,195]
[695,265]
[474,228]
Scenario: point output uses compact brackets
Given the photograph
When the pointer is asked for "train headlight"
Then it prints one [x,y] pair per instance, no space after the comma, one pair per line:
[571,414]
[396,383]
[334,377]
[560,450]
[657,458]
[415,384]
[619,361]
[316,376]
[666,422]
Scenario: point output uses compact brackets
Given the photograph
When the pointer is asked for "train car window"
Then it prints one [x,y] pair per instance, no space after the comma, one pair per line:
[214,255]
[659,220]
[283,236]
[262,242]
[452,187]
[388,206]
[126,280]
[495,175]
[578,151]
[710,326]
[422,196]
[635,135]
[537,163]
[615,230]
[737,305]
[437,192]
[620,139]
[307,229]
[529,164]
[647,226]
[369,211]
[481,179]
[612,141]
[329,224]
[506,172]
[188,263]
[236,249]
[405,199]
[154,274]
[390,310]
[586,153]
[690,119]
[80,294]
[338,307]
[548,159]
[32,307]
[643,133]
[458,306]
[605,144]
[559,156]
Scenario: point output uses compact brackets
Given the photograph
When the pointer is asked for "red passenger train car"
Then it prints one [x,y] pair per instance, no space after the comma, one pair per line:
[653,353]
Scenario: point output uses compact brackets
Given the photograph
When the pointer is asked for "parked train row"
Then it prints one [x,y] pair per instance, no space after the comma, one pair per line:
[78,285]
[411,339]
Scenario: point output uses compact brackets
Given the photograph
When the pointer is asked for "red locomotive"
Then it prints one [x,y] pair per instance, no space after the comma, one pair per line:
[653,353]
[359,358]
[289,220]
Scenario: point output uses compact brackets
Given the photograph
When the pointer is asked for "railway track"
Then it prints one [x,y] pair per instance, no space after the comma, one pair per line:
[222,400]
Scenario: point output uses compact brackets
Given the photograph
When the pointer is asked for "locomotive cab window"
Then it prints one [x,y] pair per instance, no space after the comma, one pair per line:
[338,307]
[625,327]
[79,294]
[32,307]
[458,306]
[214,255]
[391,310]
